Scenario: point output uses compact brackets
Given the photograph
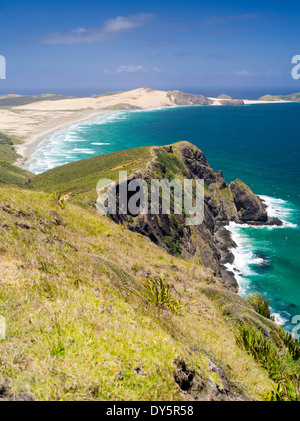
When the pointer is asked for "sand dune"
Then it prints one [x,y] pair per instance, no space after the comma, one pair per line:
[139,98]
[32,122]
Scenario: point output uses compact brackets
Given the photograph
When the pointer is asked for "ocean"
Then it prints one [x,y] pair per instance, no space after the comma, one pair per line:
[260,144]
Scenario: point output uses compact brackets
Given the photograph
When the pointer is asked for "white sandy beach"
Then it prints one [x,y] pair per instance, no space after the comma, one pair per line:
[217,101]
[34,121]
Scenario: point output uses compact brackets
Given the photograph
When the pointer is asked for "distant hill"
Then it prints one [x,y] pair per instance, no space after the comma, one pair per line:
[223,96]
[292,97]
[7,101]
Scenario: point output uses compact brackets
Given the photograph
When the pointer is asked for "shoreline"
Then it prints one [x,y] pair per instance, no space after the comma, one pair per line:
[242,251]
[30,143]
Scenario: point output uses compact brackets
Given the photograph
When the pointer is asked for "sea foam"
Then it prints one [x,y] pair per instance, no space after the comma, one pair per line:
[245,259]
[58,148]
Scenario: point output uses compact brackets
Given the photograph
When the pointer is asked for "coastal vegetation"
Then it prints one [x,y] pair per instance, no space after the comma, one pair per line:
[292,97]
[260,304]
[10,174]
[94,310]
[7,150]
[224,96]
[8,101]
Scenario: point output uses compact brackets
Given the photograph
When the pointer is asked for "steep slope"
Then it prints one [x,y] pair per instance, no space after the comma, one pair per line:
[10,174]
[81,177]
[82,324]
[96,311]
[7,150]
[208,243]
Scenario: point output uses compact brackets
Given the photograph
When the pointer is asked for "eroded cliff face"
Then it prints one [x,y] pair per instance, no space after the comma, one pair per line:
[209,243]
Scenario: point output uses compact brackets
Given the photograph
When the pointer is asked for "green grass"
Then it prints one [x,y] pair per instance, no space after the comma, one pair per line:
[122,106]
[157,293]
[275,361]
[260,305]
[96,312]
[107,94]
[227,193]
[292,97]
[224,96]
[81,177]
[76,327]
[10,174]
[8,102]
[7,150]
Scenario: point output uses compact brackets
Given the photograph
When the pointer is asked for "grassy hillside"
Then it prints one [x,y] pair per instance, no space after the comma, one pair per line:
[7,150]
[79,325]
[95,311]
[81,177]
[10,174]
[293,97]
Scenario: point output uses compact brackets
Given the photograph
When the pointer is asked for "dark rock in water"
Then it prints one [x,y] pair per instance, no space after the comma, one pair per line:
[236,102]
[264,260]
[249,207]
[292,305]
[274,221]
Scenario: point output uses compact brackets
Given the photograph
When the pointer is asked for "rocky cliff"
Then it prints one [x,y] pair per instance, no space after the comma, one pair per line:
[209,242]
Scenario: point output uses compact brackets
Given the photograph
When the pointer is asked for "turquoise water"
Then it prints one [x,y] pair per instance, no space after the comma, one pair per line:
[259,144]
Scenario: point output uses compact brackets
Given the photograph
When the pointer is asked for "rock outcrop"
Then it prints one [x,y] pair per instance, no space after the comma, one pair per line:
[231,102]
[209,242]
[182,98]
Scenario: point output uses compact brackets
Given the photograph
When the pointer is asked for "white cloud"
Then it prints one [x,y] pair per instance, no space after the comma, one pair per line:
[244,73]
[131,69]
[109,30]
[273,73]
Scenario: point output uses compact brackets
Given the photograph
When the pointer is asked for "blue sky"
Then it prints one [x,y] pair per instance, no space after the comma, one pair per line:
[164,44]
